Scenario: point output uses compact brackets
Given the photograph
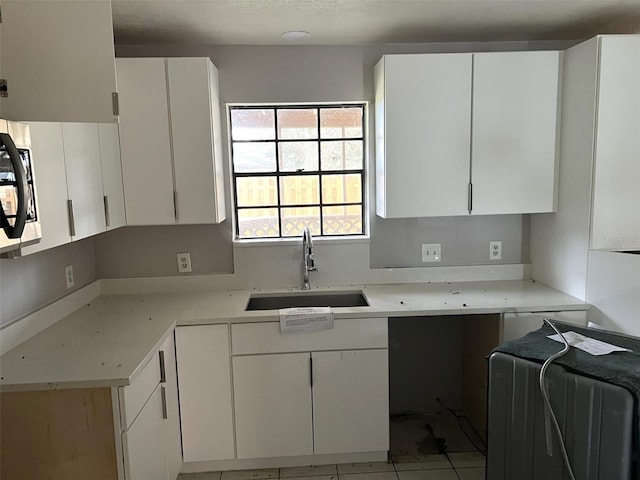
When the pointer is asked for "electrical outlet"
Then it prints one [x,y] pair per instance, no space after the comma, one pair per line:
[184,262]
[495,250]
[68,273]
[431,252]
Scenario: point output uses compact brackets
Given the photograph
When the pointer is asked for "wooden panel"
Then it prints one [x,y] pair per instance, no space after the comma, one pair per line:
[347,334]
[51,185]
[145,141]
[616,189]
[204,380]
[427,122]
[143,443]
[350,401]
[58,59]
[112,174]
[481,335]
[272,397]
[57,435]
[193,142]
[134,396]
[84,177]
[515,113]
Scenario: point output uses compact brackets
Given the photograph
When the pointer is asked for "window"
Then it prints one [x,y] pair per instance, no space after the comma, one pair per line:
[297,166]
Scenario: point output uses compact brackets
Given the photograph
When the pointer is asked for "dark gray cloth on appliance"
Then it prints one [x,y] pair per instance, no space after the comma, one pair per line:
[618,368]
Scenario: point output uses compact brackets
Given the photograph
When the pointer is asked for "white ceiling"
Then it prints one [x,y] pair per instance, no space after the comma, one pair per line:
[349,22]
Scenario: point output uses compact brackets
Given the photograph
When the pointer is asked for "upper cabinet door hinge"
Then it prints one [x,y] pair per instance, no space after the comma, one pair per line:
[115,104]
[4,89]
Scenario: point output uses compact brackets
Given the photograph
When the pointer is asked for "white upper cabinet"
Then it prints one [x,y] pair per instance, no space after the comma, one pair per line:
[197,146]
[466,133]
[145,141]
[78,181]
[170,140]
[51,186]
[84,179]
[515,118]
[423,122]
[58,60]
[111,175]
[616,169]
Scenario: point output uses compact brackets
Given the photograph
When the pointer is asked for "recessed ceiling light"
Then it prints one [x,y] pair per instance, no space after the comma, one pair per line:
[296,35]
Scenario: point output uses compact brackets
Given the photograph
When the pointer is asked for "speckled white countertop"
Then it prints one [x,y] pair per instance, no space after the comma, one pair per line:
[104,343]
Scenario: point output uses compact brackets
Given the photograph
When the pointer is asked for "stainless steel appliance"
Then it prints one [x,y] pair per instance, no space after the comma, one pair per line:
[19,210]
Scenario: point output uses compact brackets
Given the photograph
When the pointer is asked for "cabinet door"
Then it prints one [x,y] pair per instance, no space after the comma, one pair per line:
[517,325]
[273,405]
[145,141]
[51,185]
[143,442]
[172,424]
[194,106]
[616,186]
[111,175]
[204,380]
[515,113]
[58,59]
[84,178]
[350,401]
[423,123]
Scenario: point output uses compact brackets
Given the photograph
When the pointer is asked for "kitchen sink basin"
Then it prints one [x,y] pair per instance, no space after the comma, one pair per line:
[275,302]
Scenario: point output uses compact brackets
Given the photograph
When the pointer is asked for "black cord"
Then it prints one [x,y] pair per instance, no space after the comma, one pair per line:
[459,417]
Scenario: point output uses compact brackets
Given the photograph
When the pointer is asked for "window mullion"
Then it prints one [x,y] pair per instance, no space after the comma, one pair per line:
[278,195]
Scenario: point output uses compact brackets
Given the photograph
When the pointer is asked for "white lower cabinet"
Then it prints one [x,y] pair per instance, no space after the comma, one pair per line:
[273,405]
[517,325]
[204,381]
[323,392]
[143,442]
[350,401]
[263,394]
[149,419]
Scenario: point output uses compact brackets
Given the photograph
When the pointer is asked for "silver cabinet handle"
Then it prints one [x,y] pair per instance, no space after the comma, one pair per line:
[107,217]
[175,204]
[72,222]
[470,200]
[163,392]
[163,372]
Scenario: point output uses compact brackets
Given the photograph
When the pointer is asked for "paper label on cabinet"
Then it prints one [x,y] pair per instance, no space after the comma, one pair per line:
[307,319]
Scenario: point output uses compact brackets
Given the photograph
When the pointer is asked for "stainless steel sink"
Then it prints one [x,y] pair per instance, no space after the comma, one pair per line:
[324,299]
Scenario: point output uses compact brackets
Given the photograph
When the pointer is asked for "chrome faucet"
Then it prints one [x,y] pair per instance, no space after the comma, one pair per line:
[308,262]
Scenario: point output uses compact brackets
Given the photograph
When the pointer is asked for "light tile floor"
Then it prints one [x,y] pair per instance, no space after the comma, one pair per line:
[454,466]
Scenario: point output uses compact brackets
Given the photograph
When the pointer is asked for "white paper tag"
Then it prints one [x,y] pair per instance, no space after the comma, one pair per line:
[308,319]
[586,344]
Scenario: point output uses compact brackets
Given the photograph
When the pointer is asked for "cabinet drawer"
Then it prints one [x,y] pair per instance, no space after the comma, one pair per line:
[133,397]
[353,333]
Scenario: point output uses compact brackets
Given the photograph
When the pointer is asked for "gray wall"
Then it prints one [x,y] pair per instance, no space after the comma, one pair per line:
[31,282]
[151,251]
[264,74]
[425,363]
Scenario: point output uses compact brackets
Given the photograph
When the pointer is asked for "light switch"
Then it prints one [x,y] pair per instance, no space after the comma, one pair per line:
[431,252]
